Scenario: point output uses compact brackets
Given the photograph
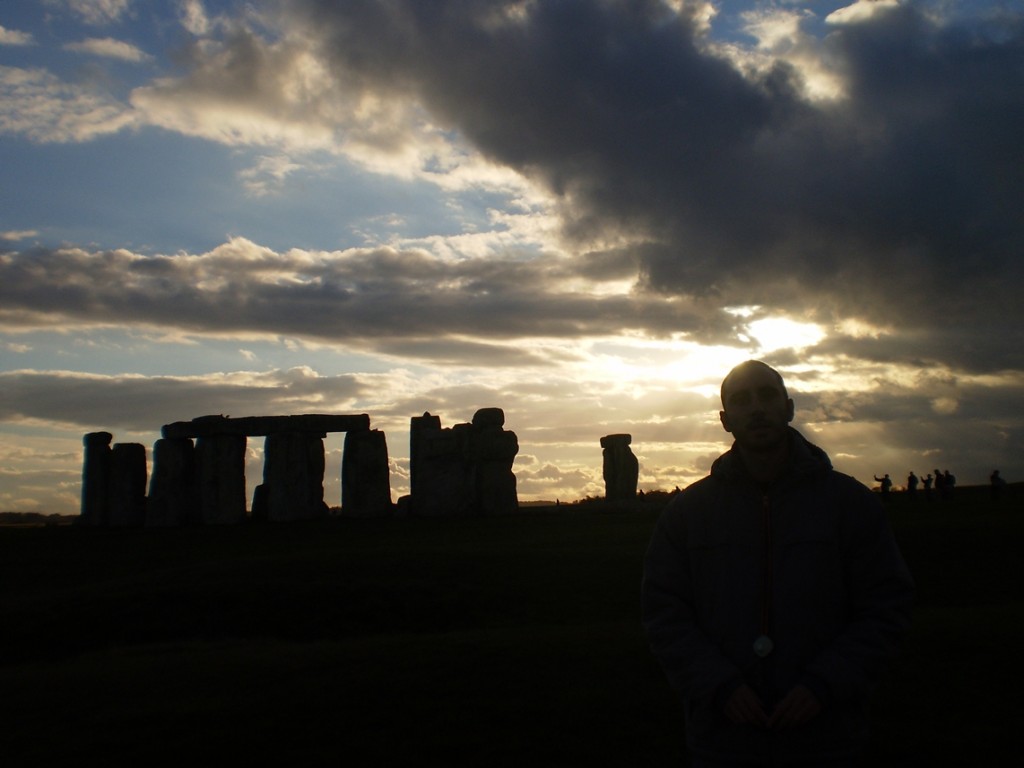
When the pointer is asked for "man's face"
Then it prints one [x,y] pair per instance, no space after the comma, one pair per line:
[757,410]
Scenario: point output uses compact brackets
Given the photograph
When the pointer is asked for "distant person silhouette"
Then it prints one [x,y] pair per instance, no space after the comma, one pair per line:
[948,483]
[927,483]
[774,594]
[912,485]
[940,485]
[996,484]
[886,485]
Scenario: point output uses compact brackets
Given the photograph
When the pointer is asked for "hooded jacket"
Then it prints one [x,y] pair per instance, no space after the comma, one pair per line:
[811,563]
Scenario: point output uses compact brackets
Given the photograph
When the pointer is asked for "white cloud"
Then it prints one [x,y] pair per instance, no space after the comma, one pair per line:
[15,235]
[781,39]
[861,11]
[246,90]
[110,48]
[194,18]
[13,37]
[36,104]
[268,174]
[96,12]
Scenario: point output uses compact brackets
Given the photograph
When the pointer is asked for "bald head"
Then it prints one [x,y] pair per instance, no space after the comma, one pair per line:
[744,368]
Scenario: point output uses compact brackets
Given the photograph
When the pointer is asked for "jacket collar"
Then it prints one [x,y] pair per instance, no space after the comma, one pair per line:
[806,459]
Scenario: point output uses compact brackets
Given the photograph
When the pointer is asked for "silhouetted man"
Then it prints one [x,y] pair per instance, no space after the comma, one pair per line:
[774,593]
[912,484]
[886,482]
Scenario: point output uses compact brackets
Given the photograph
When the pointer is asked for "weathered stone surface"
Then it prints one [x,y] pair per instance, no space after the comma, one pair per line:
[260,426]
[365,476]
[220,465]
[463,470]
[293,478]
[96,478]
[621,468]
[127,499]
[173,488]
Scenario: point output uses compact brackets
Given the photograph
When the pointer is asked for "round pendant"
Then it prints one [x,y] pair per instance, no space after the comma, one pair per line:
[763,646]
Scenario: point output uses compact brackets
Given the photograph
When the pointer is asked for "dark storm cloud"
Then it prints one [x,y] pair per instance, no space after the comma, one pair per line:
[404,303]
[899,203]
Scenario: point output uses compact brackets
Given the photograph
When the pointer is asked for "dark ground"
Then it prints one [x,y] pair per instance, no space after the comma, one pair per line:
[510,641]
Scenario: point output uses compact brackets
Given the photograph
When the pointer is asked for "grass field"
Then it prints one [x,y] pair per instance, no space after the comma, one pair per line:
[511,641]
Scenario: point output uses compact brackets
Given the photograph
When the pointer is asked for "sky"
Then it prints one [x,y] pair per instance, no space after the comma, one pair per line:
[584,212]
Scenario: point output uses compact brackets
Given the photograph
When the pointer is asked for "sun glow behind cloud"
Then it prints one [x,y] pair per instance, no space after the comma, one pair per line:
[775,333]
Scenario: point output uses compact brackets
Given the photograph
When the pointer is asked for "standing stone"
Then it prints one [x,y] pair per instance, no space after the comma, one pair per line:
[293,478]
[464,470]
[365,476]
[220,465]
[95,478]
[493,451]
[127,497]
[621,468]
[422,431]
[442,483]
[173,492]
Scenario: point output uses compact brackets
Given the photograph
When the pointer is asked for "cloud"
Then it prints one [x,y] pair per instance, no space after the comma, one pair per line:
[405,303]
[247,87]
[14,37]
[96,12]
[194,17]
[19,234]
[871,175]
[109,48]
[36,104]
[267,175]
[862,11]
[897,202]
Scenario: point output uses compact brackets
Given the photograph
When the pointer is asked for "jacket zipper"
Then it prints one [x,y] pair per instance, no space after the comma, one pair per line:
[767,568]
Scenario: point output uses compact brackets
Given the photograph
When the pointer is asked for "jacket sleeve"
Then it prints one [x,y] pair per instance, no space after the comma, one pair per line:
[880,593]
[693,664]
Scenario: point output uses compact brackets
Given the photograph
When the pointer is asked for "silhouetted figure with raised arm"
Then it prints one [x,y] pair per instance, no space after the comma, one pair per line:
[774,594]
[912,485]
[927,483]
[886,485]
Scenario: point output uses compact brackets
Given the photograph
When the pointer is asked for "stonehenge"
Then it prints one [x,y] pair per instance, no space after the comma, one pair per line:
[198,472]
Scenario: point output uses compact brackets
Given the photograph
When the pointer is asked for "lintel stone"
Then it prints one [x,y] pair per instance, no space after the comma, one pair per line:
[256,426]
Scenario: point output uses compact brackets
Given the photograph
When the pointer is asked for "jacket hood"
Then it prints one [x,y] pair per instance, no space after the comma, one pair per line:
[805,459]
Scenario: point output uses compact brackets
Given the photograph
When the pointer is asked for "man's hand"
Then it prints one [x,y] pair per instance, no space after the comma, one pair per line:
[798,707]
[745,708]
